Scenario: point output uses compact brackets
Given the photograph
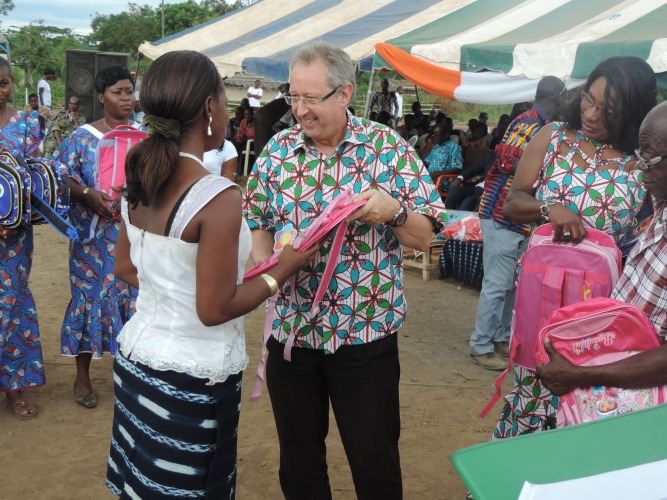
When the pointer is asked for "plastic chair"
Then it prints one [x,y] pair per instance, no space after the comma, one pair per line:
[439,181]
[249,150]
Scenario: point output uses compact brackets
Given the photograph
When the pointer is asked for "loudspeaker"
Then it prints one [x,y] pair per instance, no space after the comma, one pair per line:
[81,68]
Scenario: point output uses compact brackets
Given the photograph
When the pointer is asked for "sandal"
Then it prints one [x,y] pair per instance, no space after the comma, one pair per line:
[87,401]
[23,409]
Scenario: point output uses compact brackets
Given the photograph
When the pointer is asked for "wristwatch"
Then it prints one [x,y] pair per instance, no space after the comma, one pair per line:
[400,217]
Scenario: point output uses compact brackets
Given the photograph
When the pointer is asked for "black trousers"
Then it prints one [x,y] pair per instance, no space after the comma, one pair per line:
[463,198]
[362,384]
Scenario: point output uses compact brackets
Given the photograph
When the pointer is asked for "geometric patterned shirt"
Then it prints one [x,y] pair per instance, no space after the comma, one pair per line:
[292,183]
[508,153]
[644,279]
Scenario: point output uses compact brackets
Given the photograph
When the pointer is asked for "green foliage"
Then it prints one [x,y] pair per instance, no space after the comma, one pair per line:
[6,6]
[124,32]
[34,48]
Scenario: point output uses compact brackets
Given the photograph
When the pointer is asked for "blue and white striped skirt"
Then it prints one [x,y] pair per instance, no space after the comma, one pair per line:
[173,436]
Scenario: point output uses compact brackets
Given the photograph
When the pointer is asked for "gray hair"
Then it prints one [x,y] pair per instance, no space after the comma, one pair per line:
[341,67]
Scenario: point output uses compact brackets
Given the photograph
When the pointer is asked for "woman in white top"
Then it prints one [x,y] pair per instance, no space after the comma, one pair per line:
[223,160]
[184,243]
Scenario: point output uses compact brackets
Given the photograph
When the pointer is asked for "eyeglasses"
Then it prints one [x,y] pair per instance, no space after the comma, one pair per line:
[293,100]
[646,165]
[589,102]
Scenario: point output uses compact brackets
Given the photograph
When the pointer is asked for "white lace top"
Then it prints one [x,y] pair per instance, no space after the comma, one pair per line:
[165,333]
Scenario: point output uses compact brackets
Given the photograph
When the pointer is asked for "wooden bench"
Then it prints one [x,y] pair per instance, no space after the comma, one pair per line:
[426,261]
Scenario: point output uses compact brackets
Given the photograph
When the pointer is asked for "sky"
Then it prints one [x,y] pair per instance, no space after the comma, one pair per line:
[73,14]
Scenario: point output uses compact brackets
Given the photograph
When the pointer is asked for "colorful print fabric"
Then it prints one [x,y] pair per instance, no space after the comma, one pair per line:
[21,364]
[605,199]
[292,183]
[101,304]
[508,153]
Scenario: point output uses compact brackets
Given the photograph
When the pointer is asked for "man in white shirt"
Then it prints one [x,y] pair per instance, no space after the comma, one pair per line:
[44,89]
[255,95]
[399,104]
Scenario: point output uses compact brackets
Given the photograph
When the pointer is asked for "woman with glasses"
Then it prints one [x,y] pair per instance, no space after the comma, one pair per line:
[577,174]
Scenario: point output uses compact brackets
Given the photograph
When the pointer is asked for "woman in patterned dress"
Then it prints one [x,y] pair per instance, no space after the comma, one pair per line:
[21,364]
[100,303]
[580,173]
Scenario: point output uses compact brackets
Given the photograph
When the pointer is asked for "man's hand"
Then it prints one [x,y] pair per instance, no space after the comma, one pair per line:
[559,375]
[379,209]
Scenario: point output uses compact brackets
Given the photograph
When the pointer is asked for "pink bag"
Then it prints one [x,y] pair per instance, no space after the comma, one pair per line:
[110,157]
[597,332]
[332,218]
[553,275]
[112,151]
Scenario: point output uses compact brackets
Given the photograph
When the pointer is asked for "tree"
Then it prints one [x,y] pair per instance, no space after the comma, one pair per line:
[124,32]
[6,6]
[36,47]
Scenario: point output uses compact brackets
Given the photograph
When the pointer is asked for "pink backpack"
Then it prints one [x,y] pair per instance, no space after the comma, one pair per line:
[551,276]
[332,218]
[554,275]
[597,332]
[110,157]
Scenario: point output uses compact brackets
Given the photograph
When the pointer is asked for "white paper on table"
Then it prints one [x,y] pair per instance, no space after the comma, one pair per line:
[642,482]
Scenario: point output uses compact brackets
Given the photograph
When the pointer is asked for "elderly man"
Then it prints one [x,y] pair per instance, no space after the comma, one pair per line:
[348,352]
[643,282]
[64,124]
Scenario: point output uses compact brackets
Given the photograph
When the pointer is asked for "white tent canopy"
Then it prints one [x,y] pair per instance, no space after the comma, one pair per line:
[261,38]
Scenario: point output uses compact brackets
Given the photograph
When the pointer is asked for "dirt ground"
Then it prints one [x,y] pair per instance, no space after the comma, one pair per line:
[62,453]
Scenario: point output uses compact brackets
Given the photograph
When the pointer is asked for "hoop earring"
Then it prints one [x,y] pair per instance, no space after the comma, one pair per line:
[209,132]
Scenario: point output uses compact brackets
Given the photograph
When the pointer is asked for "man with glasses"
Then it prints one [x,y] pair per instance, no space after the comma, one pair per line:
[348,352]
[643,282]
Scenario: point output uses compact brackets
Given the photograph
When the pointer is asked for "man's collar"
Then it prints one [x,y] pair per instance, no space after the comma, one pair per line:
[354,133]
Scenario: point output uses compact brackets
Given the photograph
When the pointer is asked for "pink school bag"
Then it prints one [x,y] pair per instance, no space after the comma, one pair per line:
[110,157]
[332,218]
[597,332]
[554,275]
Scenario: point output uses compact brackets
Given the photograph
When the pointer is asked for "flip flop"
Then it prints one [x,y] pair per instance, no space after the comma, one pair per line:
[22,406]
[87,401]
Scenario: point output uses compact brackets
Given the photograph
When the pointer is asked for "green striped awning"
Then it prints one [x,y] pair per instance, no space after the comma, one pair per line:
[533,38]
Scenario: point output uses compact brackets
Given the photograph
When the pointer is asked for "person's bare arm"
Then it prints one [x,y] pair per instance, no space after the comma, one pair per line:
[646,369]
[228,169]
[262,245]
[219,297]
[123,266]
[96,200]
[521,204]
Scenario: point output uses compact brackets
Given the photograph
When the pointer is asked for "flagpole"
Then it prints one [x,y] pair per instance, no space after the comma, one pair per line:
[162,18]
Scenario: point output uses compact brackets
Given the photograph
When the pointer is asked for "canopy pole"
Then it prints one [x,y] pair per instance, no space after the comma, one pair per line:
[370,93]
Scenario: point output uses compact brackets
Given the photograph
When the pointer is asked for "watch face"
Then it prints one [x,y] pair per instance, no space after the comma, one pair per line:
[401,218]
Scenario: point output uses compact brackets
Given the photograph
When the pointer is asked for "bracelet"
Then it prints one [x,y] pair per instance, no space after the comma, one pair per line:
[273,284]
[85,191]
[544,209]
